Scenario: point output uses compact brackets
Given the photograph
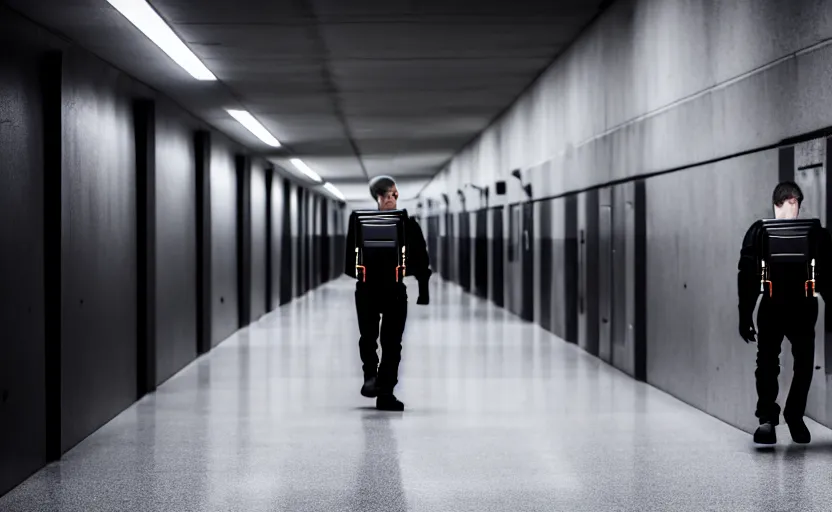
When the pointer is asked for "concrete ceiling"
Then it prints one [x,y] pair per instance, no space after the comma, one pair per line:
[355,88]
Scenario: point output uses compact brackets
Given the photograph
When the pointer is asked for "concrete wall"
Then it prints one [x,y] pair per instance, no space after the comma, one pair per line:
[175,242]
[98,247]
[74,237]
[259,239]
[693,346]
[704,91]
[22,392]
[276,238]
[655,85]
[225,314]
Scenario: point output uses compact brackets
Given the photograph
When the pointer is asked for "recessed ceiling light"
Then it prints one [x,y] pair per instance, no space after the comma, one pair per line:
[332,188]
[302,167]
[154,27]
[254,126]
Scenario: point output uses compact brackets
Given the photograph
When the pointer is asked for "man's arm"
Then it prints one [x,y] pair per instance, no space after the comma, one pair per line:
[748,273]
[349,250]
[418,263]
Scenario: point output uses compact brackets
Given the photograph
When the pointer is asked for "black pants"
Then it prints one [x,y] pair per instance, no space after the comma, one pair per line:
[389,303]
[794,319]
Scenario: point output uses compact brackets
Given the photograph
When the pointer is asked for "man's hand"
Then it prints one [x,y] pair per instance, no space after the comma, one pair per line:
[747,331]
[424,293]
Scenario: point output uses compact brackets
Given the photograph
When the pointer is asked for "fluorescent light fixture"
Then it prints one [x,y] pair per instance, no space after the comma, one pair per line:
[337,193]
[302,167]
[151,24]
[254,126]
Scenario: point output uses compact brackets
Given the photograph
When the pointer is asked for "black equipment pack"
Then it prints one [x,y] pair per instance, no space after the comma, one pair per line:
[788,247]
[380,246]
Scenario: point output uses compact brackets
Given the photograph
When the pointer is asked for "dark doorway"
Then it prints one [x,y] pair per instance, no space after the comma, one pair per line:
[464,251]
[527,249]
[481,254]
[497,262]
[286,277]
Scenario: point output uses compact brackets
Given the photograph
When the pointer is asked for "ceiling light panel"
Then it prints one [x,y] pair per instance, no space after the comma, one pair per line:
[302,167]
[254,126]
[140,14]
[334,191]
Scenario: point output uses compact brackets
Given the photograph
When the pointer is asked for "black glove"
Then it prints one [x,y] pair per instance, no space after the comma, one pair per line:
[747,331]
[424,293]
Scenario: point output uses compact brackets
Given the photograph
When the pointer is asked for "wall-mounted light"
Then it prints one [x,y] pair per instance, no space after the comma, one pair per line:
[302,167]
[334,190]
[461,195]
[142,15]
[254,126]
[483,193]
[526,187]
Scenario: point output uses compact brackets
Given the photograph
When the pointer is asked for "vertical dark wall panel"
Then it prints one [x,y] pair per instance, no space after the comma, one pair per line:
[623,277]
[258,278]
[498,257]
[298,241]
[605,281]
[514,260]
[463,253]
[176,251]
[225,314]
[204,246]
[98,370]
[588,271]
[52,241]
[446,246]
[545,278]
[481,254]
[640,292]
[22,375]
[527,251]
[243,215]
[144,118]
[433,242]
[326,245]
[287,259]
[570,268]
[277,193]
[315,240]
[270,302]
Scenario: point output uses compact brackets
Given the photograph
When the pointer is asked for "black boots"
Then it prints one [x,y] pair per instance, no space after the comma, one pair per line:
[800,433]
[369,387]
[388,403]
[385,401]
[765,433]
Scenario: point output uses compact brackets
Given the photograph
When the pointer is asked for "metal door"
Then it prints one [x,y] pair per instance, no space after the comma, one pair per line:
[497,257]
[605,269]
[528,262]
[588,322]
[514,267]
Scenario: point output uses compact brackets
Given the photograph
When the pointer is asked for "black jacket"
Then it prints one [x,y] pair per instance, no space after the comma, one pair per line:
[418,261]
[748,277]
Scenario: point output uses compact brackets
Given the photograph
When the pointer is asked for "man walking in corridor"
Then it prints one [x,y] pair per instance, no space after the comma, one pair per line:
[387,301]
[788,309]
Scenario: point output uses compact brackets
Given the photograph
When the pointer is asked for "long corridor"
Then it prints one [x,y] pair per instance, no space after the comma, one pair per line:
[500,416]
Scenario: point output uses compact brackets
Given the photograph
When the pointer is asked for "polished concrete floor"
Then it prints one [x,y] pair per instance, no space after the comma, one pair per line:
[501,416]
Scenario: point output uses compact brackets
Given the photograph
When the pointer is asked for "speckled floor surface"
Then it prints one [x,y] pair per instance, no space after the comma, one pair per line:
[501,416]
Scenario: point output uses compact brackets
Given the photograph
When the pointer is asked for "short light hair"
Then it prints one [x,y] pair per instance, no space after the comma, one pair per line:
[380,185]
